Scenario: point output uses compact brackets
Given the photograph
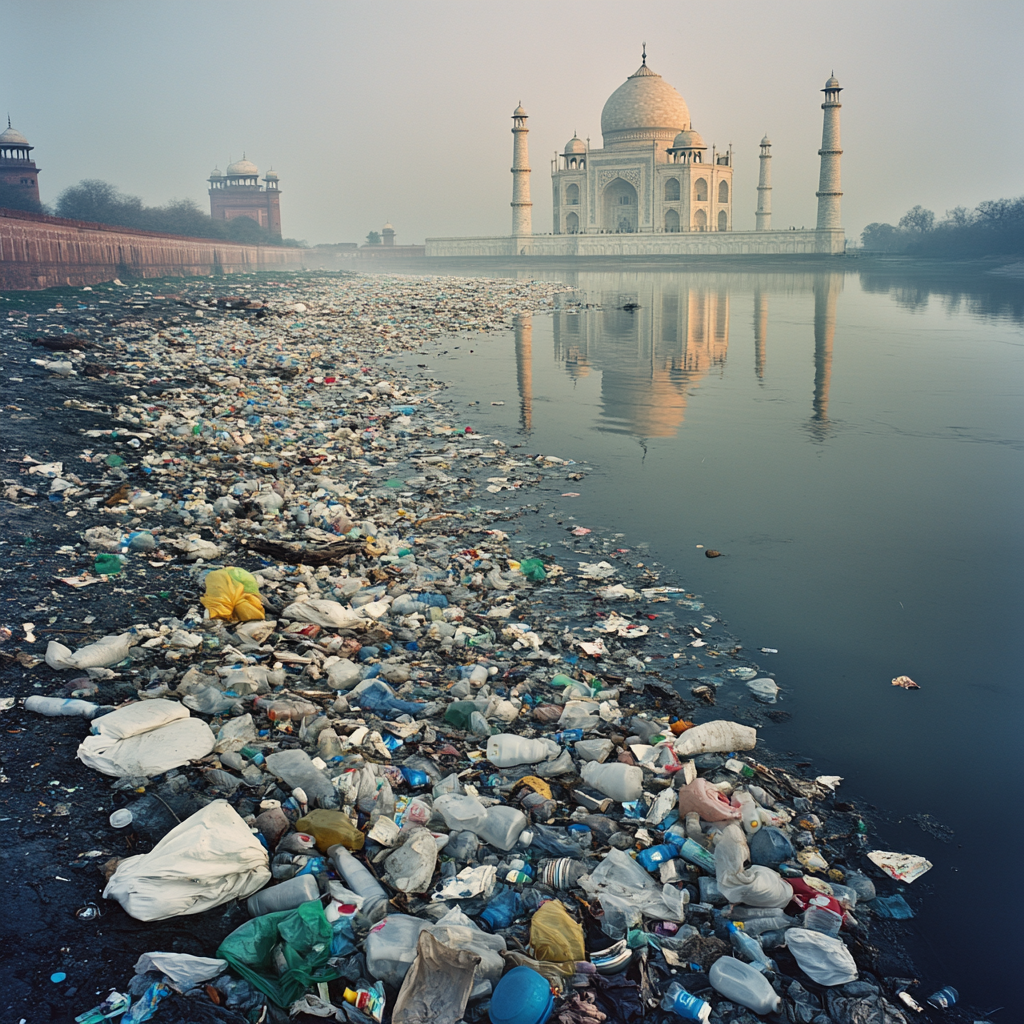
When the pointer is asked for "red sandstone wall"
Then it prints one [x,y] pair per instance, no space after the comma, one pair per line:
[42,252]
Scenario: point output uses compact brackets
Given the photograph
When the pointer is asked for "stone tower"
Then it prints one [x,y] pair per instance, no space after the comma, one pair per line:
[521,205]
[829,188]
[18,170]
[238,193]
[763,217]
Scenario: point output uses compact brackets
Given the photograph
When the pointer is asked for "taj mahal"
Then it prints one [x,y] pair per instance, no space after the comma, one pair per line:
[654,188]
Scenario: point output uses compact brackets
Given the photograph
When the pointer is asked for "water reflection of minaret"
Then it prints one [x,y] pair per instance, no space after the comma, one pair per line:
[524,369]
[760,332]
[826,292]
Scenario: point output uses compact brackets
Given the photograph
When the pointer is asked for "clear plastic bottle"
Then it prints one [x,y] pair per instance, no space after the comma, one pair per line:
[57,706]
[358,878]
[750,948]
[285,710]
[506,750]
[744,984]
[502,826]
[751,814]
[688,1006]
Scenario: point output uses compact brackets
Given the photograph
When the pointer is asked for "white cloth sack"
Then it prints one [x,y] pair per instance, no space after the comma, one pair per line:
[323,613]
[108,650]
[184,970]
[821,957]
[207,860]
[147,738]
[754,886]
[715,737]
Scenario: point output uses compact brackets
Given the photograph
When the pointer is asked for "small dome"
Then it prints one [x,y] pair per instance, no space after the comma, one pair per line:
[244,168]
[519,112]
[575,145]
[215,173]
[689,140]
[11,137]
[272,175]
[387,227]
[766,141]
[832,83]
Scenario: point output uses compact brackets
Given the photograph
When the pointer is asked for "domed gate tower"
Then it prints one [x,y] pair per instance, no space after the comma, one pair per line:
[653,174]
[238,193]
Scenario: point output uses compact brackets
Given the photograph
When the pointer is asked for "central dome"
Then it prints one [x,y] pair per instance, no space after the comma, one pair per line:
[244,168]
[644,109]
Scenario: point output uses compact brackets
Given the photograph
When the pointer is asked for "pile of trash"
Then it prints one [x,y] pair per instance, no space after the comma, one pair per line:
[438,775]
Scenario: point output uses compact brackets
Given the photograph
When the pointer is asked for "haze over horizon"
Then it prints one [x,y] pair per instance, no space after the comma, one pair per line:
[402,112]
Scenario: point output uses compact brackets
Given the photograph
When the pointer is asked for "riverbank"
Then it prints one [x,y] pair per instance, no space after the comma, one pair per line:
[328,404]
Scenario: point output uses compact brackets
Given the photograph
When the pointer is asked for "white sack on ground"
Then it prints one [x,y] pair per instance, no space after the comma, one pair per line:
[146,738]
[184,970]
[108,650]
[207,860]
[821,957]
[329,614]
[715,738]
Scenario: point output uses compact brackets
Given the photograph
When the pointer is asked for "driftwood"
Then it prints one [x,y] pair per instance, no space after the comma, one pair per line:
[295,554]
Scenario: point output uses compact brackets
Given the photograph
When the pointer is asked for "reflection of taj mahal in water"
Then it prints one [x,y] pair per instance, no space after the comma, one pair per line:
[650,358]
[654,189]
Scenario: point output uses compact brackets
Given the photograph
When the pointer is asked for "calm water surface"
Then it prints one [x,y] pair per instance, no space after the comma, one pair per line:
[854,445]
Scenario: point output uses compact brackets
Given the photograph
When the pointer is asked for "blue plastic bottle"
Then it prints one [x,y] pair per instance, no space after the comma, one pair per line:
[690,1007]
[655,855]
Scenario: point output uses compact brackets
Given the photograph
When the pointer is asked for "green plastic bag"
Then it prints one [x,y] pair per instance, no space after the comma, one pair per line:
[533,569]
[305,937]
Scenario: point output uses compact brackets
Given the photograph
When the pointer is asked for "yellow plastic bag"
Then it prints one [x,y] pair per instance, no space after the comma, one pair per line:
[232,593]
[555,936]
[329,828]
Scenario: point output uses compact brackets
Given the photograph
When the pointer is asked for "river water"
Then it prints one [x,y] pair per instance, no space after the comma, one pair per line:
[853,444]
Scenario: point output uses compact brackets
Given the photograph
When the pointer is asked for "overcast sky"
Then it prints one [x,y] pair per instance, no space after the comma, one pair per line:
[401,111]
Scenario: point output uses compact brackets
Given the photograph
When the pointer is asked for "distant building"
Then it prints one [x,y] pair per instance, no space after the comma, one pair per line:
[386,247]
[17,168]
[238,193]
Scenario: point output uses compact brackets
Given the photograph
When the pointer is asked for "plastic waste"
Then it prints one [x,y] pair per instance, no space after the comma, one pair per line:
[824,959]
[769,847]
[329,828]
[208,859]
[411,867]
[523,996]
[686,1005]
[107,651]
[710,803]
[284,896]
[438,987]
[555,936]
[755,886]
[750,948]
[391,947]
[502,826]
[370,1001]
[183,969]
[742,983]
[714,737]
[506,750]
[359,879]
[622,782]
[55,707]
[233,594]
[296,768]
[944,998]
[501,911]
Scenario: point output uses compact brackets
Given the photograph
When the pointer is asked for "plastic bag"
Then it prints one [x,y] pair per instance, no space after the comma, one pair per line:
[323,613]
[146,738]
[207,860]
[715,737]
[437,987]
[184,970]
[822,958]
[755,886]
[710,803]
[555,936]
[108,650]
[232,593]
[533,569]
[329,828]
[302,936]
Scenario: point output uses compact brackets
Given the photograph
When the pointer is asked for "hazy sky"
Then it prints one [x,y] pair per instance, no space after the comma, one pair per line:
[401,110]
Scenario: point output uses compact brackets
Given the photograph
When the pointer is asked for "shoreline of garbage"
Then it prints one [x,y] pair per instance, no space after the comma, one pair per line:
[378,665]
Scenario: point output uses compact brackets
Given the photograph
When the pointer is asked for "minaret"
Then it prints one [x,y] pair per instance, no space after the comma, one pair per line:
[826,293]
[829,189]
[763,217]
[524,368]
[760,332]
[521,223]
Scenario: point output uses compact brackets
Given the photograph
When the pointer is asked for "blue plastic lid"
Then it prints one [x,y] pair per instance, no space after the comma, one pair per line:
[521,997]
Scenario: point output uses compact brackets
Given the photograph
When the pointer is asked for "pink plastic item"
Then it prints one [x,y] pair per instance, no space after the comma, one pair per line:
[708,802]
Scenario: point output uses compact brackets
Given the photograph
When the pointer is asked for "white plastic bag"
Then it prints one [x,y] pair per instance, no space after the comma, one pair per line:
[754,886]
[108,650]
[821,957]
[207,860]
[715,737]
[147,738]
[323,613]
[184,970]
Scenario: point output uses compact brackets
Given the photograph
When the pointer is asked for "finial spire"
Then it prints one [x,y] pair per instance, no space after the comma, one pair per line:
[8,120]
[644,61]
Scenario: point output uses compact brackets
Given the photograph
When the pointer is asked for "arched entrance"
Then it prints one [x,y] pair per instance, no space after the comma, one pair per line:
[671,221]
[572,224]
[700,221]
[723,220]
[620,206]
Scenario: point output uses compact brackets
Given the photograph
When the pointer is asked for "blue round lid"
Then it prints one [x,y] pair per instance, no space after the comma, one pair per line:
[521,997]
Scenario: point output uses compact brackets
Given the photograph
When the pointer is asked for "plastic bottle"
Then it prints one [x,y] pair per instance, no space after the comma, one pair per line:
[57,706]
[696,854]
[461,812]
[688,1006]
[744,984]
[751,818]
[507,750]
[750,948]
[622,782]
[358,878]
[501,911]
[331,828]
[296,768]
[285,710]
[502,826]
[568,736]
[284,896]
[391,947]
[650,858]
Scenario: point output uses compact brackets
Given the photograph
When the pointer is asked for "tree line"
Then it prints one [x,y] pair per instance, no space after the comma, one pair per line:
[103,203]
[994,227]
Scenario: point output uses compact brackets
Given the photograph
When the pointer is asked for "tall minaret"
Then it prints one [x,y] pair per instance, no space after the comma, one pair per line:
[521,223]
[829,190]
[763,217]
[760,332]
